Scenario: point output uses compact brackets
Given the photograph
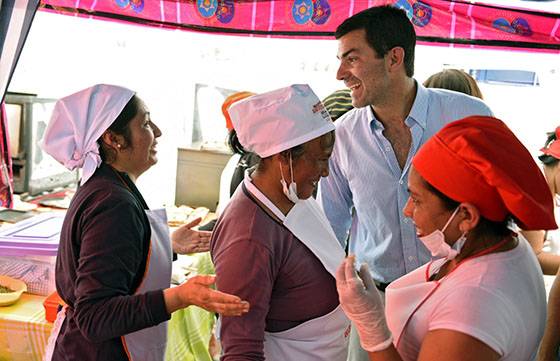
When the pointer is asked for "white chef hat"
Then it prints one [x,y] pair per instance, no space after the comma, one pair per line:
[269,123]
[78,121]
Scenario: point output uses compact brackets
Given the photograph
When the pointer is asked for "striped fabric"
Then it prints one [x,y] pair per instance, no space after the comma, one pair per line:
[15,20]
[190,329]
[338,103]
[24,332]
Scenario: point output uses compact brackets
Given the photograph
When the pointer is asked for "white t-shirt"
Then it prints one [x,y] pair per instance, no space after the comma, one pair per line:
[498,299]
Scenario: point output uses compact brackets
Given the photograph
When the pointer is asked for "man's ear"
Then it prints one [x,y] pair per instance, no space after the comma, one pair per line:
[470,216]
[395,58]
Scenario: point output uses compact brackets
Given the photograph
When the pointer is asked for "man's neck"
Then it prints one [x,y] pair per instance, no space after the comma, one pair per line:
[398,104]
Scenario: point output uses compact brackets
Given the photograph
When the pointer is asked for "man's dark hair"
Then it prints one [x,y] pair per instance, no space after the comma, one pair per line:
[386,27]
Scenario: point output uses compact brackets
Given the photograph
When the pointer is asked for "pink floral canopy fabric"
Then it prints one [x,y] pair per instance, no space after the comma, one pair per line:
[438,22]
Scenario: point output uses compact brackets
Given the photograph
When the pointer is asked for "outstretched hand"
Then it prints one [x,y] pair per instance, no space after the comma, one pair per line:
[196,291]
[187,240]
[362,303]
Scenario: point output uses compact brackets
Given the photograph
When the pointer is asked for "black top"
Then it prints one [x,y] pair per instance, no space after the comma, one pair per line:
[101,260]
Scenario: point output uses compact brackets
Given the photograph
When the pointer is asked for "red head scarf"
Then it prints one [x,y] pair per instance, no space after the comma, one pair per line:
[480,161]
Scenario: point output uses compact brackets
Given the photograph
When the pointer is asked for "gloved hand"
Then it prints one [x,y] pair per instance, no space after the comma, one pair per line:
[363,304]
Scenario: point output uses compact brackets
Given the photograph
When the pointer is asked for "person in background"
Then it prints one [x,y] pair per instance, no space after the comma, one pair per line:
[234,171]
[483,297]
[454,79]
[272,244]
[113,267]
[550,159]
[366,190]
[338,103]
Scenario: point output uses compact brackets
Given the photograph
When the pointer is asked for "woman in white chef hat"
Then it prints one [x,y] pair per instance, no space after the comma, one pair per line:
[113,267]
[272,244]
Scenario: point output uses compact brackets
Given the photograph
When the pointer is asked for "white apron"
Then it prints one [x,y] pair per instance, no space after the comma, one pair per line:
[325,337]
[147,344]
[404,296]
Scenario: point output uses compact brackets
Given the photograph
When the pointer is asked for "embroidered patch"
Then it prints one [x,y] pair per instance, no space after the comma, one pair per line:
[226,11]
[503,25]
[302,11]
[122,3]
[137,5]
[206,8]
[522,27]
[321,11]
[405,5]
[422,14]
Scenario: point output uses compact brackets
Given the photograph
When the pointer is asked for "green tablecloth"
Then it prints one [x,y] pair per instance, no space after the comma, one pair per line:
[190,329]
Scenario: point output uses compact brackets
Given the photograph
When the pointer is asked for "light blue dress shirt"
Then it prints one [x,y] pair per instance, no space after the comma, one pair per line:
[366,191]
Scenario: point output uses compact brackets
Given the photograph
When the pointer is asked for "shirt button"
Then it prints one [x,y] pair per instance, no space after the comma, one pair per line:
[387,149]
[410,258]
[405,220]
[401,182]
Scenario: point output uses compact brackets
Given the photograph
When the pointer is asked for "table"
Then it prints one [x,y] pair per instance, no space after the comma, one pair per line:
[24,332]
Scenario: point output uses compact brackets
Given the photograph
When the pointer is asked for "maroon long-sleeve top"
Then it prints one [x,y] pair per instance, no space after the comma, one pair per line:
[261,261]
[101,260]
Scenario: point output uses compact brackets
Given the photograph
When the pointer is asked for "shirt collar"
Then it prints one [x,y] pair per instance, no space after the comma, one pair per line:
[417,113]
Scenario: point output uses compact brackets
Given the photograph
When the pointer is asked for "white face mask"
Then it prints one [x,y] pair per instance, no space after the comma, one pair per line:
[435,242]
[291,190]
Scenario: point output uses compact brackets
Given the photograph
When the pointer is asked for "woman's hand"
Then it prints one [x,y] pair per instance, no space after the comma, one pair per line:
[196,291]
[186,240]
[363,304]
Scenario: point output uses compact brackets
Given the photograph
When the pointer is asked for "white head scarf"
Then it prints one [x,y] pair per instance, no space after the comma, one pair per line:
[269,123]
[78,121]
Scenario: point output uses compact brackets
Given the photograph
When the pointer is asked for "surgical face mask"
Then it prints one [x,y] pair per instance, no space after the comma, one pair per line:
[435,242]
[289,191]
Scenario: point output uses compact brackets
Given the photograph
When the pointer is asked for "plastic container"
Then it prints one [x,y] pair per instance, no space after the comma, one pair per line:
[51,304]
[28,251]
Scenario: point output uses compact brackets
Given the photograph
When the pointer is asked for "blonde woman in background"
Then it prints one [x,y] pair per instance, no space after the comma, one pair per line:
[454,79]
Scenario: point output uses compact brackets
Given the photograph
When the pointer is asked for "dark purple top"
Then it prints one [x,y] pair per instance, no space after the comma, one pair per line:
[101,261]
[261,261]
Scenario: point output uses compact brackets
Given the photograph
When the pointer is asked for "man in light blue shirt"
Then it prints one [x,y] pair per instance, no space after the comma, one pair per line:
[366,191]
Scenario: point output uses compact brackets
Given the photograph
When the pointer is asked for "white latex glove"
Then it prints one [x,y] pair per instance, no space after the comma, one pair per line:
[363,304]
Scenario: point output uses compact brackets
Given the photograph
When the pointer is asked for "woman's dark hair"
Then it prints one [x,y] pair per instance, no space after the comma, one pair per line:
[549,160]
[327,140]
[485,227]
[120,127]
[386,27]
[233,143]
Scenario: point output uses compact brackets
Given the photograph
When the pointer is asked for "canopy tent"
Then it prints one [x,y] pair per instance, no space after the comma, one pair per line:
[453,23]
[443,22]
